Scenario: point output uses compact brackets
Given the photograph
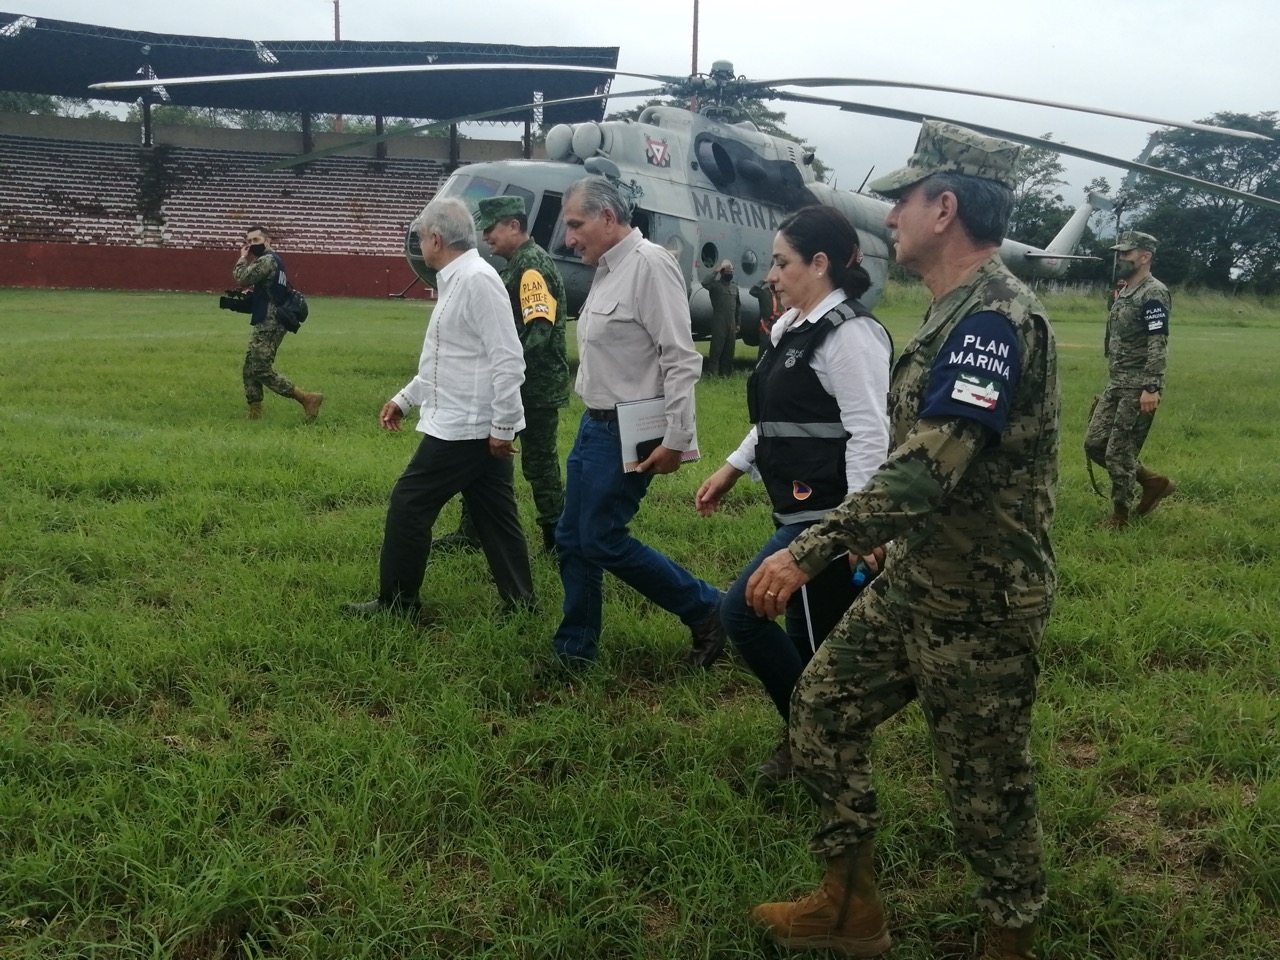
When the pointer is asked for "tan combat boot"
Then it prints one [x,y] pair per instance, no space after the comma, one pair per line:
[310,402]
[255,409]
[1004,943]
[844,915]
[1154,489]
[1118,520]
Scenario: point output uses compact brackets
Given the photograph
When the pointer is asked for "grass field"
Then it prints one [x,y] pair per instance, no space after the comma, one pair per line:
[200,758]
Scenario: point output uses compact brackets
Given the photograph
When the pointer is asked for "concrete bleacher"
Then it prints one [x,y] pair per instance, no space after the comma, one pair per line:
[71,191]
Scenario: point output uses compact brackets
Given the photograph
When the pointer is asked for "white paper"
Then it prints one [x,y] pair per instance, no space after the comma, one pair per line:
[641,420]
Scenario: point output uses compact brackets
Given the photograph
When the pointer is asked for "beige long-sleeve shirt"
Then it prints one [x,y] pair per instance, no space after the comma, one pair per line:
[634,336]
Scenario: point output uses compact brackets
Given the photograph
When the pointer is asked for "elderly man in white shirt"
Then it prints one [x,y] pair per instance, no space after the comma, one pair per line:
[468,392]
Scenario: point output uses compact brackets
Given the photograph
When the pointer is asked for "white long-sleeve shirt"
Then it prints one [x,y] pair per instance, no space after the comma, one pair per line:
[472,366]
[852,365]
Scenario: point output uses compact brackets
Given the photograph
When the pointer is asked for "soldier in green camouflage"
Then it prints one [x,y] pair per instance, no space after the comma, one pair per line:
[1137,348]
[538,304]
[726,313]
[964,502]
[261,268]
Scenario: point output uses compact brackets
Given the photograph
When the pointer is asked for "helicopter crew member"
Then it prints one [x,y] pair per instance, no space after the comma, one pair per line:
[956,617]
[1137,347]
[468,389]
[769,306]
[538,302]
[634,343]
[261,268]
[726,312]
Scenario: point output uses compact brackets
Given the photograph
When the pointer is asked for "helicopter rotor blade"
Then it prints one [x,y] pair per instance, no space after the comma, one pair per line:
[369,71]
[409,131]
[1099,111]
[916,117]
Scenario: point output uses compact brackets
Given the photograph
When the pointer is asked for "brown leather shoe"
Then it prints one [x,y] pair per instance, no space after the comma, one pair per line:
[1154,489]
[844,915]
[778,768]
[708,640]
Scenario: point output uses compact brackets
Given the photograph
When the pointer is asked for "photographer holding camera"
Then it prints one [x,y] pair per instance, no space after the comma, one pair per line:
[261,268]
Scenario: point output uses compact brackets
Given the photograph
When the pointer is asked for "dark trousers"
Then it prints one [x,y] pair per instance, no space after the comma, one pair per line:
[438,471]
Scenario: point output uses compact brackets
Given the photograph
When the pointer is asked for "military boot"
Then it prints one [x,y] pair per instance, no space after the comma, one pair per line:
[1119,518]
[1004,943]
[310,402]
[549,539]
[1154,489]
[255,409]
[843,915]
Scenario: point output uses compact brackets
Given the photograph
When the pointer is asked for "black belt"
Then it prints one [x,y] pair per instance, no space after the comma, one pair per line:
[602,414]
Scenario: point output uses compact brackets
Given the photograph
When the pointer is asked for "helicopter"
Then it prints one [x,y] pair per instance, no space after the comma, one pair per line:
[707,184]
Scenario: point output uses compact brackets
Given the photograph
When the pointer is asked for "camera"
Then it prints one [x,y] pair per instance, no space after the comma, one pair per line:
[241,301]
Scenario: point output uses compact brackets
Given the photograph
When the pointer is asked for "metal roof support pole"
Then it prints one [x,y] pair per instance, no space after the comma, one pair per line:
[308,135]
[379,127]
[454,155]
[148,137]
[528,138]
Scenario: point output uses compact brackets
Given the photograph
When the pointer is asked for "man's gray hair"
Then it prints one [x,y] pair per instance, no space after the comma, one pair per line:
[597,194]
[984,206]
[451,220]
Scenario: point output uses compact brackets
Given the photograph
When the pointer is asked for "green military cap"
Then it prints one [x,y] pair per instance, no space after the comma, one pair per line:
[946,148]
[1136,240]
[492,209]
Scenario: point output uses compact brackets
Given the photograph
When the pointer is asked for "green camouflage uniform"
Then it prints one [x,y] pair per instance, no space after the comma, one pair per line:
[546,380]
[1137,346]
[956,618]
[726,311]
[265,341]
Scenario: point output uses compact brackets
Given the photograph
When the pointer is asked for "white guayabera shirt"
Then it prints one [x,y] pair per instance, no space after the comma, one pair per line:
[472,365]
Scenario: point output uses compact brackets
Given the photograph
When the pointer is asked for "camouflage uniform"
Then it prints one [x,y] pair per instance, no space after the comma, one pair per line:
[267,334]
[1137,346]
[538,304]
[726,311]
[957,616]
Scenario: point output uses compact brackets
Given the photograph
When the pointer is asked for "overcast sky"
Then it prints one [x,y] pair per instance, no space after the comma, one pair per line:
[1167,58]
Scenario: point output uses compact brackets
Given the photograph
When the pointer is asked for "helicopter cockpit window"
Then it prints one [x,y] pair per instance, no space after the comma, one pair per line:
[526,195]
[454,186]
[749,262]
[478,189]
[710,256]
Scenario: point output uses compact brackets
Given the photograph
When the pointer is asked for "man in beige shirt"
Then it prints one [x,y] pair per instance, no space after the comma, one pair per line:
[634,343]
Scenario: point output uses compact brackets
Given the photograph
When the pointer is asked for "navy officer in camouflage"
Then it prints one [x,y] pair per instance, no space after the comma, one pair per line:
[261,268]
[964,502]
[538,304]
[1137,350]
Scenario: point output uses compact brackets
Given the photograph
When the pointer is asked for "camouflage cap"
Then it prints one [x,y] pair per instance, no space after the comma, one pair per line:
[946,148]
[492,209]
[1136,240]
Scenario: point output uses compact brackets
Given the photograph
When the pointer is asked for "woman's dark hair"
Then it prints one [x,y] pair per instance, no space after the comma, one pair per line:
[817,229]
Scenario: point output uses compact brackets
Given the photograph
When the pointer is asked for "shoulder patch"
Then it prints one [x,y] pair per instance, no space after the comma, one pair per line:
[1155,317]
[975,373]
[536,301]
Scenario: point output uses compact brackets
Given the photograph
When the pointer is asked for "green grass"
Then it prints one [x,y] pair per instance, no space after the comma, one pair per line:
[200,758]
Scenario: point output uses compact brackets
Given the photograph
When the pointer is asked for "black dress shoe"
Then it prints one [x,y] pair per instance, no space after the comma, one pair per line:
[378,606]
[549,538]
[457,542]
[708,640]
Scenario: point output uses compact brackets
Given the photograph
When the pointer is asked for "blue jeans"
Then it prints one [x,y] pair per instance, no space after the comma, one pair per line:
[592,536]
[778,656]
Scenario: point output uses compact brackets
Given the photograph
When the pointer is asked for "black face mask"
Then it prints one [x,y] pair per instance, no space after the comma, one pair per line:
[727,276]
[258,249]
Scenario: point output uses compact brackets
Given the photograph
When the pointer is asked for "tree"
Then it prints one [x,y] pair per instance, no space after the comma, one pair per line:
[1039,211]
[772,122]
[1205,239]
[43,105]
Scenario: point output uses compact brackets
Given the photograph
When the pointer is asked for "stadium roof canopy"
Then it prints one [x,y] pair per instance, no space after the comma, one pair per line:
[59,58]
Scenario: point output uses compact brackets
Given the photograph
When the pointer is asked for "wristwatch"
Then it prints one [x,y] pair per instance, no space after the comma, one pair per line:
[1151,388]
